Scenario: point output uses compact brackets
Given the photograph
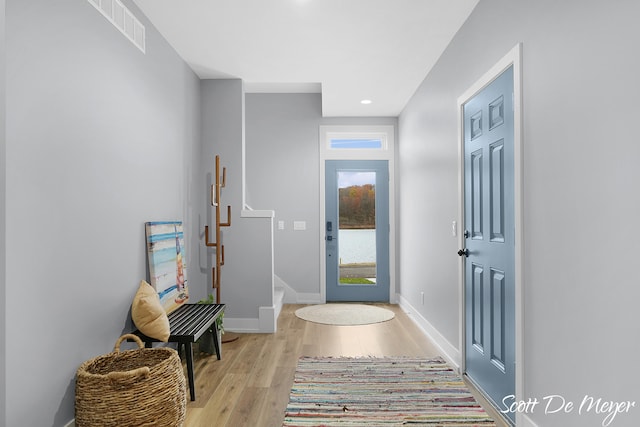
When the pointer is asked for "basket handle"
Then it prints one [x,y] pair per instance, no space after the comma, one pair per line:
[133,375]
[116,348]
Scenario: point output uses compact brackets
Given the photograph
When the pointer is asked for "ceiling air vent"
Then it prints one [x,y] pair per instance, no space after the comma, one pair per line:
[123,20]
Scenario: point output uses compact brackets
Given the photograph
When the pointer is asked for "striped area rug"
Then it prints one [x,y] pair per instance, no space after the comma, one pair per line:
[380,392]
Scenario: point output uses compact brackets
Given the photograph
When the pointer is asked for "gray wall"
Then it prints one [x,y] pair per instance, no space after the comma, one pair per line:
[247,276]
[3,183]
[283,175]
[98,135]
[580,192]
[221,111]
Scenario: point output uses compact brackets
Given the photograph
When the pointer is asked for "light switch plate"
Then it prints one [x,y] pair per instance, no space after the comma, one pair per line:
[299,225]
[280,225]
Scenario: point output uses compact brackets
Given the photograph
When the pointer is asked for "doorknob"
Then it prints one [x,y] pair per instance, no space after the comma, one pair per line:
[463,252]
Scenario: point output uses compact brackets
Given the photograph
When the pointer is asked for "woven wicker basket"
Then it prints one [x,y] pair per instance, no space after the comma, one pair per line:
[142,387]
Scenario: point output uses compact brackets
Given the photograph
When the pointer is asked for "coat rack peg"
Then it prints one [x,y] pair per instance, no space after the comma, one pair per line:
[222,260]
[214,198]
[224,177]
[228,223]
[206,238]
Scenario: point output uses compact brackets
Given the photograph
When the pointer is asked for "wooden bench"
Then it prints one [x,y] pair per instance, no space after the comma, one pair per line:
[188,323]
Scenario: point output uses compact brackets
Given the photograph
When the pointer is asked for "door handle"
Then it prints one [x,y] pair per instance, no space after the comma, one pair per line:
[463,252]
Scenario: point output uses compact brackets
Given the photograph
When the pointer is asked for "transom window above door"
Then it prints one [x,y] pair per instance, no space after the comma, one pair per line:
[362,142]
[356,143]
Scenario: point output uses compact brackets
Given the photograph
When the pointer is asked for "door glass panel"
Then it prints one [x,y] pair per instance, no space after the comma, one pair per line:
[357,227]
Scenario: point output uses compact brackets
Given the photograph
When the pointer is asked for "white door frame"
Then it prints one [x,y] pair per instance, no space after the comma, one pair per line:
[514,57]
[386,153]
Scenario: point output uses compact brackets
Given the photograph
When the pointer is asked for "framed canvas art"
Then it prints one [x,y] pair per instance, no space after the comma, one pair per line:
[167,262]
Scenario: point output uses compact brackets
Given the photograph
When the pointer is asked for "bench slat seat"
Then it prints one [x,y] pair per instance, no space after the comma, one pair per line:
[190,321]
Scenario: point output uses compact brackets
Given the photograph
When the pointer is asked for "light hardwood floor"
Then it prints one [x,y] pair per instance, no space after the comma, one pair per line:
[250,385]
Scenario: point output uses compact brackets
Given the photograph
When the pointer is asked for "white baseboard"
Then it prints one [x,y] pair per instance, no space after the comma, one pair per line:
[291,296]
[278,301]
[289,293]
[240,325]
[266,323]
[448,351]
[524,421]
[308,299]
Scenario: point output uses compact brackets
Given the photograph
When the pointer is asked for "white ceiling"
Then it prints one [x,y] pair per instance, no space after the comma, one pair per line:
[348,50]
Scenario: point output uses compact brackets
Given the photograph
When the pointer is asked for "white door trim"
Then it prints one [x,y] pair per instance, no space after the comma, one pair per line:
[514,57]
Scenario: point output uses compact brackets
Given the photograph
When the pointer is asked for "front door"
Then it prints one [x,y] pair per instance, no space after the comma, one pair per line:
[490,238]
[357,230]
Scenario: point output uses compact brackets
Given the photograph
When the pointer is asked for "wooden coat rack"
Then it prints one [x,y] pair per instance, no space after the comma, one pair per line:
[215,201]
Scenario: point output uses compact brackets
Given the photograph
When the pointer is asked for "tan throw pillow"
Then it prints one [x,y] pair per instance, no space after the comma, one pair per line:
[148,314]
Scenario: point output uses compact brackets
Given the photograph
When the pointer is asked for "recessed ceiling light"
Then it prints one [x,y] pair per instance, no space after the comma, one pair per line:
[366,101]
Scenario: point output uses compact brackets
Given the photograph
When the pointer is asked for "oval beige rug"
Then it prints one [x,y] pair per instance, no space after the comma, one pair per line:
[344,314]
